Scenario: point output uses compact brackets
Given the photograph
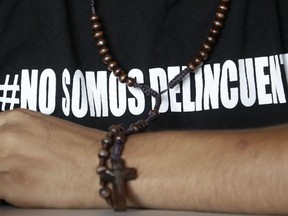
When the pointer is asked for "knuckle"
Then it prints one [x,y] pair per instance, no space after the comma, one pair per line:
[11,138]
[17,177]
[11,182]
[18,114]
[12,132]
[5,184]
[5,152]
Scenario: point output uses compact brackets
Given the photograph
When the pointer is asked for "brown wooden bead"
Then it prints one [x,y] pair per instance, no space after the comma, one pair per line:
[94,18]
[118,72]
[207,47]
[112,65]
[107,141]
[211,40]
[104,51]
[123,78]
[114,129]
[105,193]
[204,55]
[101,169]
[107,58]
[96,26]
[220,16]
[223,8]
[191,66]
[101,42]
[214,32]
[218,25]
[120,137]
[197,61]
[130,81]
[103,153]
[98,35]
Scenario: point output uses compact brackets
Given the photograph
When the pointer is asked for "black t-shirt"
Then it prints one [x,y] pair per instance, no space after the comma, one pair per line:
[49,62]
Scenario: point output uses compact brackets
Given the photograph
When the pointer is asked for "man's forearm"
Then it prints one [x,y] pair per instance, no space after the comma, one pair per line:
[50,163]
[233,171]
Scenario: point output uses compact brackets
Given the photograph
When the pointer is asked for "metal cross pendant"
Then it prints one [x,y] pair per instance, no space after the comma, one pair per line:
[118,175]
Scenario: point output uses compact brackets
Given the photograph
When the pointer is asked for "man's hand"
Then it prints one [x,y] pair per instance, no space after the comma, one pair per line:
[47,162]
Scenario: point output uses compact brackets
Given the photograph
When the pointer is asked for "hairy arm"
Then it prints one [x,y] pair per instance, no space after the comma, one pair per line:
[230,171]
[48,162]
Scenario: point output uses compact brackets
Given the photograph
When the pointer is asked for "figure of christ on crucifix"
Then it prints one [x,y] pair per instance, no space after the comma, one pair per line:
[117,176]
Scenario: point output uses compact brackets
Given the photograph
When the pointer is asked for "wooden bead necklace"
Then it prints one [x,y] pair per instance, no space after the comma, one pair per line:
[115,172]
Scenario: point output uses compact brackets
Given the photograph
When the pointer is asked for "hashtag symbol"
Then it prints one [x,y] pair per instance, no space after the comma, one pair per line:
[9,92]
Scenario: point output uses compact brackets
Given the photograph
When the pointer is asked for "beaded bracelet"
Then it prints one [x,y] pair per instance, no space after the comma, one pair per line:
[116,173]
[111,167]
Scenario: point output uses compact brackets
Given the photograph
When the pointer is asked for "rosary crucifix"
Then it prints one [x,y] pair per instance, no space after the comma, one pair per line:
[117,176]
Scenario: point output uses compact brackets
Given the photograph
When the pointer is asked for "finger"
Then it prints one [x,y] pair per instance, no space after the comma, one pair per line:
[4,185]
[4,152]
[2,119]
[19,116]
[6,117]
[6,165]
[6,147]
[3,168]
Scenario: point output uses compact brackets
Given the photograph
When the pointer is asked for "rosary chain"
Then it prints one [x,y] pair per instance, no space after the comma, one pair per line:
[113,143]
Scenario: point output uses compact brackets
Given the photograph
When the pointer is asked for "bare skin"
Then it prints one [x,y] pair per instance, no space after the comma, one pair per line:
[50,163]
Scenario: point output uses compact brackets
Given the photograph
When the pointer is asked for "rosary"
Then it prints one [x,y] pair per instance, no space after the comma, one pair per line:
[111,167]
